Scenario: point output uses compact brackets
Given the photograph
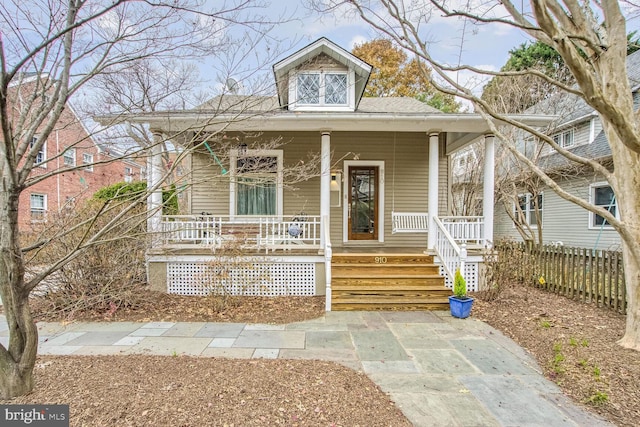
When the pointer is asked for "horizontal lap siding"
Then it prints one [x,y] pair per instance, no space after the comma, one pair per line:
[564,221]
[408,186]
[411,176]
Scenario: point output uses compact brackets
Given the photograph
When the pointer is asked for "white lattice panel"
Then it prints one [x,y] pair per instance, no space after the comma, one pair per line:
[250,279]
[470,274]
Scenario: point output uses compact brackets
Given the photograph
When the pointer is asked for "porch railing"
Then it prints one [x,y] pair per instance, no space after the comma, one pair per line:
[452,255]
[267,232]
[277,233]
[465,229]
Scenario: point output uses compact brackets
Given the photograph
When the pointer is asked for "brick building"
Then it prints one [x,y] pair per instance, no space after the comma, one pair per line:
[89,166]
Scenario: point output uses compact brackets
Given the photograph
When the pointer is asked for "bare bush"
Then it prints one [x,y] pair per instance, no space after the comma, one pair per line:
[107,276]
[505,265]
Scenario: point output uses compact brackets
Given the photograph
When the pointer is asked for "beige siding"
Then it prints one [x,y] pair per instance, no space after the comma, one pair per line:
[405,157]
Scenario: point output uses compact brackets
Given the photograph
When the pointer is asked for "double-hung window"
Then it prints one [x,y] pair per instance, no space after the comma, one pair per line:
[38,206]
[256,183]
[564,139]
[41,156]
[322,89]
[529,208]
[87,160]
[602,195]
[128,174]
[69,157]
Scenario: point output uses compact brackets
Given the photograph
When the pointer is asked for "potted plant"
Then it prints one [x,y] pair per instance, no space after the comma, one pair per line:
[459,303]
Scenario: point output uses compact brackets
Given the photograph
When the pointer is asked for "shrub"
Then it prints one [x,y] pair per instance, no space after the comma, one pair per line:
[459,285]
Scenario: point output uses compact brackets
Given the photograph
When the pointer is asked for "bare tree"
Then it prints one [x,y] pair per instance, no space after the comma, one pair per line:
[591,38]
[49,51]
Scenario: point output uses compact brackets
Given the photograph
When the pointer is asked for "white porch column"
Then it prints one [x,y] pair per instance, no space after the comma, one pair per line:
[433,188]
[154,199]
[325,180]
[488,188]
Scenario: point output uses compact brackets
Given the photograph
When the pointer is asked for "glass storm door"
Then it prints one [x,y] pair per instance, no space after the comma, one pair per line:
[363,203]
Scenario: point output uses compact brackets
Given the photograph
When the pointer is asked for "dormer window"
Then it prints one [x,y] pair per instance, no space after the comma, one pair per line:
[318,89]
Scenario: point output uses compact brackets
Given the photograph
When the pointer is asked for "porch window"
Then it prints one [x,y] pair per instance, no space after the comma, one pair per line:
[602,195]
[528,204]
[255,180]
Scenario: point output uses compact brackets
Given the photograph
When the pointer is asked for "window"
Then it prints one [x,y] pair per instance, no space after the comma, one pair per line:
[69,157]
[527,212]
[42,153]
[602,195]
[257,185]
[128,174]
[322,89]
[38,206]
[87,159]
[564,139]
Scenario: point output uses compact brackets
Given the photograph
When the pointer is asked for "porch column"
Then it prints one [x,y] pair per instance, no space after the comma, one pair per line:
[433,188]
[154,199]
[325,180]
[488,188]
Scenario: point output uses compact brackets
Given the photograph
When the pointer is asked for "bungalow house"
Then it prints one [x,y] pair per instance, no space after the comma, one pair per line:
[557,220]
[325,192]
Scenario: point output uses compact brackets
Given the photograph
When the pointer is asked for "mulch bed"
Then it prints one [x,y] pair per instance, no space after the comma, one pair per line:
[188,391]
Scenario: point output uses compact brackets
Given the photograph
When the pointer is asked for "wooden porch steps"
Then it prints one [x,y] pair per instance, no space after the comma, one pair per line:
[387,282]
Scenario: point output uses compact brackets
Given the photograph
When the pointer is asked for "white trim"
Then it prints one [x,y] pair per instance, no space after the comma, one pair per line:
[233,158]
[592,215]
[592,130]
[345,194]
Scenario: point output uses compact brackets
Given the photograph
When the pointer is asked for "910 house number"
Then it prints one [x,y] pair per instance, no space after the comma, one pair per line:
[381,259]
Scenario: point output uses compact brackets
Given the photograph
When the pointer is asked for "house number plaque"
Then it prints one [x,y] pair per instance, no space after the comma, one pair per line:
[381,260]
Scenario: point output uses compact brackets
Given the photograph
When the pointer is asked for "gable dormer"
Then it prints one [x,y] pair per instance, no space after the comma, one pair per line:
[321,77]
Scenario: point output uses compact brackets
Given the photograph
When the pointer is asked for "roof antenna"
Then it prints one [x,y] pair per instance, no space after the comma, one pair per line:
[233,86]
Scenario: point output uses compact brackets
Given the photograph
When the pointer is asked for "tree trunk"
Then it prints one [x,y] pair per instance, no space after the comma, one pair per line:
[18,359]
[627,175]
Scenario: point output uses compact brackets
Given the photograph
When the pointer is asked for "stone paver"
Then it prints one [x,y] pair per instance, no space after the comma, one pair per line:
[440,371]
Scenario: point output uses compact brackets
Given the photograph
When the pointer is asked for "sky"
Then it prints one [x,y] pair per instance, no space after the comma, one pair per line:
[485,46]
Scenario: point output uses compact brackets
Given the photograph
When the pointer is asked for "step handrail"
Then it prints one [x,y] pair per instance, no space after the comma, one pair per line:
[453,257]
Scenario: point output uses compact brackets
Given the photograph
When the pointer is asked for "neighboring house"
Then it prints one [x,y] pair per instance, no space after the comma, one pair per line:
[356,229]
[563,222]
[69,146]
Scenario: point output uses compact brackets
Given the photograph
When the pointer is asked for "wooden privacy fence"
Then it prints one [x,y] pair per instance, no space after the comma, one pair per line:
[588,275]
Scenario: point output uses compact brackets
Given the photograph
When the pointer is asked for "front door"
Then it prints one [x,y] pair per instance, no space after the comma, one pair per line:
[362,208]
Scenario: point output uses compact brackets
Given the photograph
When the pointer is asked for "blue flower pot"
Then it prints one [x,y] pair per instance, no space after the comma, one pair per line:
[460,308]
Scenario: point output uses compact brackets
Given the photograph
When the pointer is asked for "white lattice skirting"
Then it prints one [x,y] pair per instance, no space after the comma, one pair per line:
[246,278]
[470,274]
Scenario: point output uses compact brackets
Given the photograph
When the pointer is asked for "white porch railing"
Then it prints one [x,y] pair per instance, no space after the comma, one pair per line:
[409,222]
[191,229]
[267,232]
[450,253]
[465,229]
[302,232]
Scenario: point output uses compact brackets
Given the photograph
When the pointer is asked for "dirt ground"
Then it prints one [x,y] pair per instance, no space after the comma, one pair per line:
[575,344]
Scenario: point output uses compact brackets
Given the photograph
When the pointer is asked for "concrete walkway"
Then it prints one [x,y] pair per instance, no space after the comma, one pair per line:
[439,370]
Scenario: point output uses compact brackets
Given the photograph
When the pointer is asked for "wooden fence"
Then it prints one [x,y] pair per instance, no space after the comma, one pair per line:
[588,275]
